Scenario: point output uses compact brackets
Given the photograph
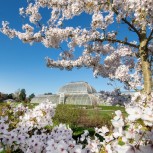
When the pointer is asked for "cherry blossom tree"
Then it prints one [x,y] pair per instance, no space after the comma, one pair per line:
[106,52]
[109,54]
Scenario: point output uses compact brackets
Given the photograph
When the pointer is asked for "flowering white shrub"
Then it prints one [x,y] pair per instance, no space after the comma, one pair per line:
[29,134]
[131,133]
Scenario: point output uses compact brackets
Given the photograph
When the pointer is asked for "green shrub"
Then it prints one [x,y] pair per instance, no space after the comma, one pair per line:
[68,114]
[76,116]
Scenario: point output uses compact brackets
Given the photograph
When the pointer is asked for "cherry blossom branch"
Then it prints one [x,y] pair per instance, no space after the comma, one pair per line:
[127,22]
[118,41]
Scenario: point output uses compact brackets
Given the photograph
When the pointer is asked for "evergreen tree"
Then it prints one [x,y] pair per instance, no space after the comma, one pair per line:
[22,95]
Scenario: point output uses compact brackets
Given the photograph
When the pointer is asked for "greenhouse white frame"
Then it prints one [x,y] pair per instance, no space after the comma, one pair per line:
[76,93]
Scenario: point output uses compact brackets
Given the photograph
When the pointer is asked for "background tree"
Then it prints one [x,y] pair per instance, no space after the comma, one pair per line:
[3,96]
[0,96]
[22,95]
[49,93]
[104,49]
[10,96]
[31,96]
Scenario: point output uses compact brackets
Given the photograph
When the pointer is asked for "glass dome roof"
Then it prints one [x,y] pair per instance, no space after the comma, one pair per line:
[75,93]
[77,87]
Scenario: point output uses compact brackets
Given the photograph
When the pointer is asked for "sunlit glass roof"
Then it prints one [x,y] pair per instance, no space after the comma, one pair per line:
[77,87]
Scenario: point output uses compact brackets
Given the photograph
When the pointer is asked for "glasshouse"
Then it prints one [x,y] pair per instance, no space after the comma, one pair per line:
[77,93]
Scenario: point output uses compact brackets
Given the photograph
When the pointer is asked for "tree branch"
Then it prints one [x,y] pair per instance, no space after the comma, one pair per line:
[131,26]
[128,23]
[117,41]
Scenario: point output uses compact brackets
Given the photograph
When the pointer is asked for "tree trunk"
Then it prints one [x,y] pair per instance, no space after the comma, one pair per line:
[146,65]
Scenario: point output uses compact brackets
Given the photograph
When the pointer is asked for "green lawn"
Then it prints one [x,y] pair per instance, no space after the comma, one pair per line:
[112,108]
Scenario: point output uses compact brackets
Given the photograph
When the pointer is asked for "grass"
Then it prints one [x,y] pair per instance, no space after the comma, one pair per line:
[113,108]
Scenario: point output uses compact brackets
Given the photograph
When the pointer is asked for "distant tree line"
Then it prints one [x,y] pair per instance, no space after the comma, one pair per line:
[18,96]
[49,93]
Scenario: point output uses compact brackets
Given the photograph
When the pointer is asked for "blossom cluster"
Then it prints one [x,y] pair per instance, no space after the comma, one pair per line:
[28,135]
[132,133]
[35,132]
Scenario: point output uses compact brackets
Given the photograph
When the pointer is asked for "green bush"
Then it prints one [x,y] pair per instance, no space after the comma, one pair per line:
[68,114]
[76,116]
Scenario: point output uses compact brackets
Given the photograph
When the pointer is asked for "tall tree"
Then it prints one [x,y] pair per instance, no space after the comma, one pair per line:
[22,95]
[108,53]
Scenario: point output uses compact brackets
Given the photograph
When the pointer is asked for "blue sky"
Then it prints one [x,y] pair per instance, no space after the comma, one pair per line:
[23,65]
